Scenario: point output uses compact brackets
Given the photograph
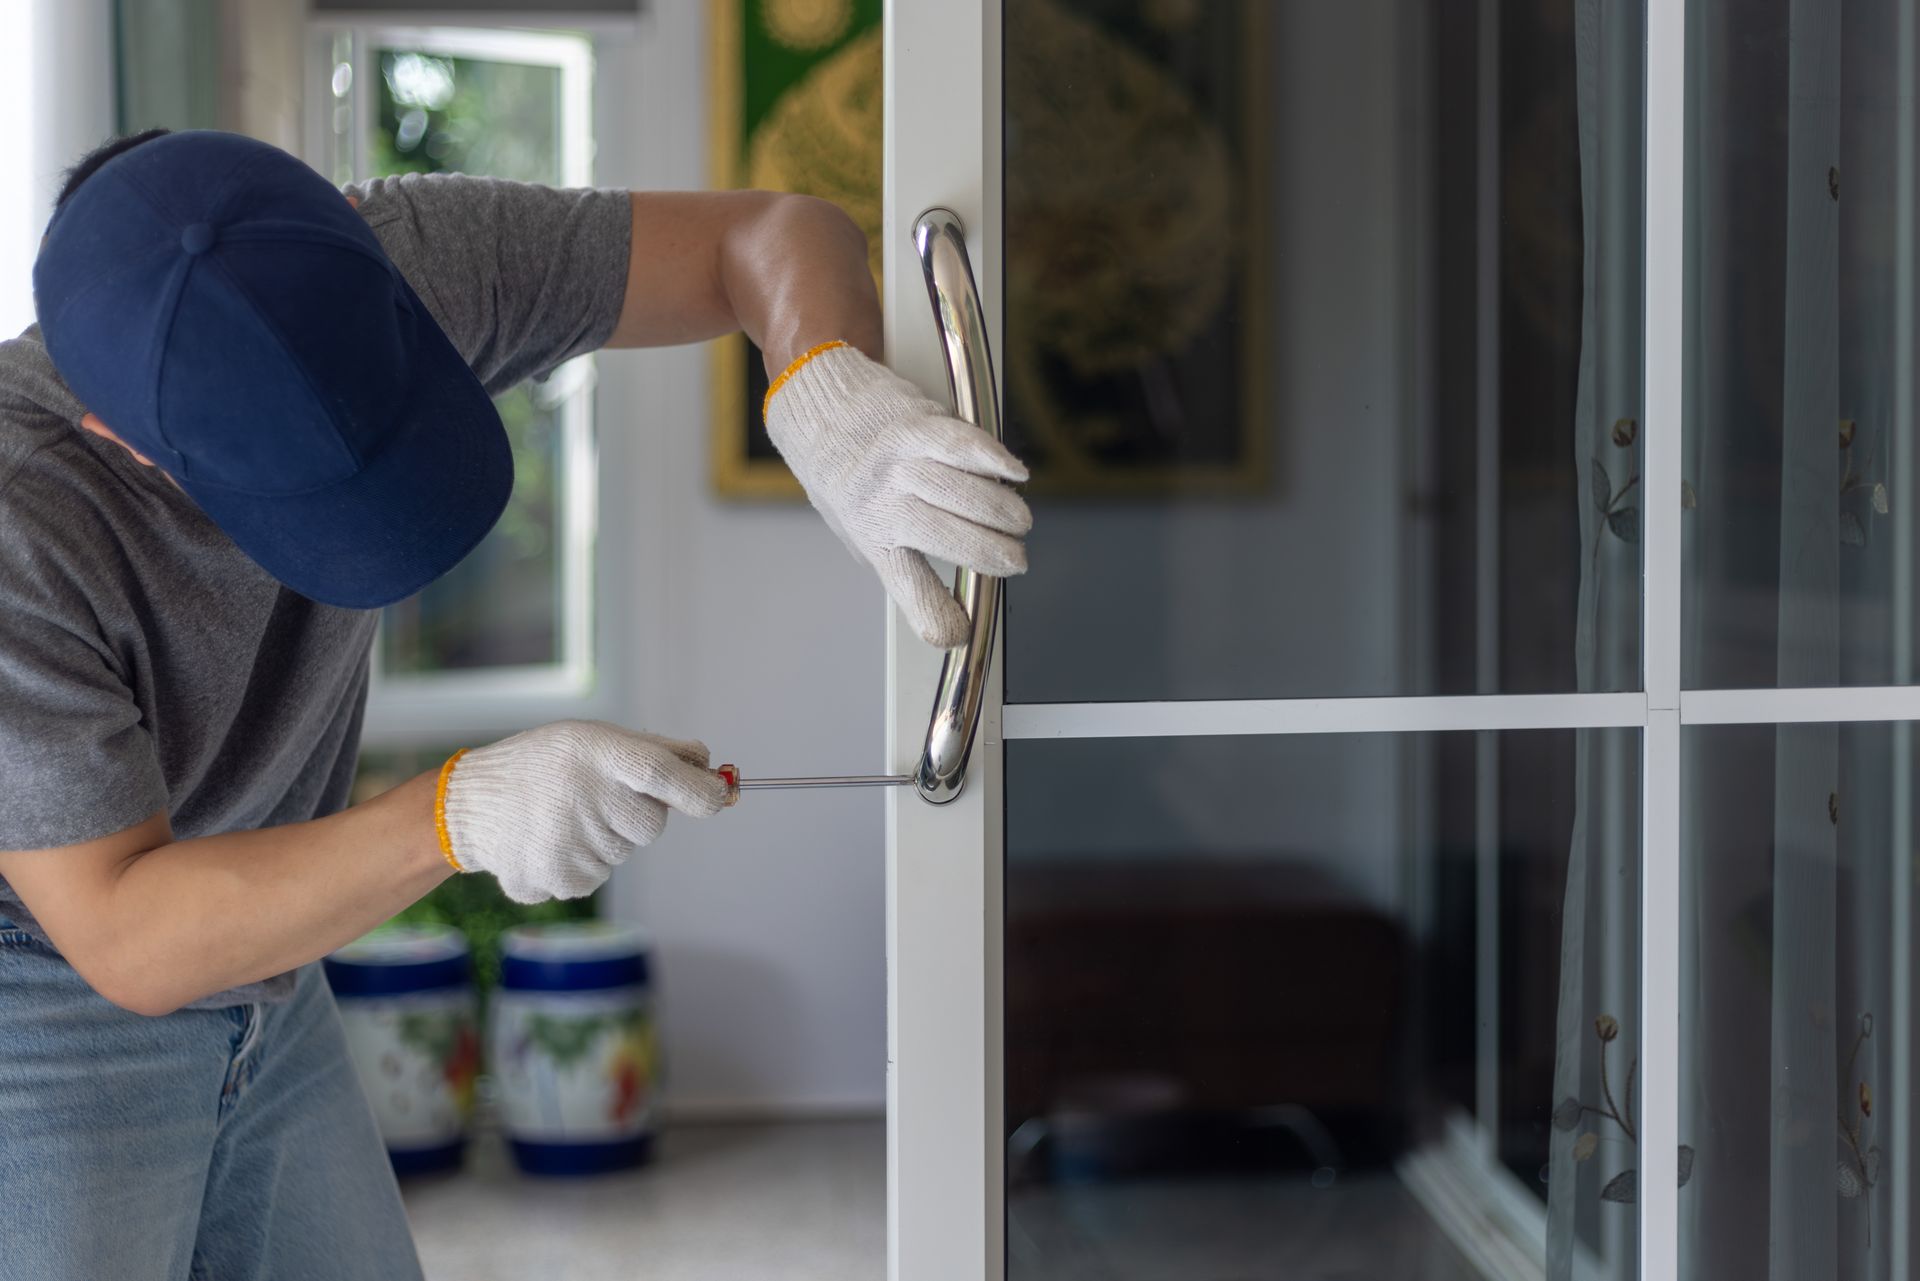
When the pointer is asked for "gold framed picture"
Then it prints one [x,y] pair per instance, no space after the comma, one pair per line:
[796,99]
[1134,346]
[1136,291]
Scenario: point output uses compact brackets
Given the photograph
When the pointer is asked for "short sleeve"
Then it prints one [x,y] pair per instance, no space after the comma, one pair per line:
[76,755]
[521,277]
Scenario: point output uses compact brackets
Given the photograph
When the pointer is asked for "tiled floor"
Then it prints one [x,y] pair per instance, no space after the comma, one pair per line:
[806,1201]
[1365,1227]
[802,1201]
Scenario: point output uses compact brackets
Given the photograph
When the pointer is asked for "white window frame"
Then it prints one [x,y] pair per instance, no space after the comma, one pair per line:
[406,710]
[945,1141]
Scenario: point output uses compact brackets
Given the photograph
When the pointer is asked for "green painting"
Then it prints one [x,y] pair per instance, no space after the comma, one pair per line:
[1136,292]
[796,106]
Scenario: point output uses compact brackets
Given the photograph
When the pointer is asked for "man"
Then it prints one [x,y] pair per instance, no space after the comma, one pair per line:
[254,411]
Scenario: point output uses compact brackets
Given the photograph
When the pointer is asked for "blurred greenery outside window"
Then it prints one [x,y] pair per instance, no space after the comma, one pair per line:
[507,105]
[515,616]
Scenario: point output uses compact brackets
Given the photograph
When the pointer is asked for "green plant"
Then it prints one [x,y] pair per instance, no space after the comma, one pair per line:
[475,906]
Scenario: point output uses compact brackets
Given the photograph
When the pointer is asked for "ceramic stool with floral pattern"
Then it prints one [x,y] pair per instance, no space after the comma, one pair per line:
[571,1047]
[406,1001]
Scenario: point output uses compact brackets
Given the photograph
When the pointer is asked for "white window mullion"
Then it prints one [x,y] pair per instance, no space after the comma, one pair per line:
[1663,335]
[1798,706]
[364,100]
[1660,996]
[1195,717]
[1899,1146]
[1486,549]
[1200,717]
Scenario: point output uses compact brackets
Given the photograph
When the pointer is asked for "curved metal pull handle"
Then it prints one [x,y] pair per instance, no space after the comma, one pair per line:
[941,242]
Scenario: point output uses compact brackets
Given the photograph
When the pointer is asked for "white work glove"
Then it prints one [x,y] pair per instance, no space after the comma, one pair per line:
[899,479]
[553,811]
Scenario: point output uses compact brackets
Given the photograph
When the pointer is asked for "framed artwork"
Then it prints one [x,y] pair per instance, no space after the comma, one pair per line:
[1134,348]
[796,98]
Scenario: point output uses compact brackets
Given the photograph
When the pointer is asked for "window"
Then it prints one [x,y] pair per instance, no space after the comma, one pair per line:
[506,637]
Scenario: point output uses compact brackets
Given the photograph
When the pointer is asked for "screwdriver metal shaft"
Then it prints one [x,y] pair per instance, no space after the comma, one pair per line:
[736,784]
[831,780]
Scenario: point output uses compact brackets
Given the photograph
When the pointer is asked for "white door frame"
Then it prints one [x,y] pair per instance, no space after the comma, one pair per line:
[942,146]
[945,1135]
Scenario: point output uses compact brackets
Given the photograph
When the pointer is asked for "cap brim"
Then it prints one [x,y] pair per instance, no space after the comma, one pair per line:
[411,513]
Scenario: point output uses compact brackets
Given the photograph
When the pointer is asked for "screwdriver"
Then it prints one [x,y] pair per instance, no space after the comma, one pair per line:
[736,784]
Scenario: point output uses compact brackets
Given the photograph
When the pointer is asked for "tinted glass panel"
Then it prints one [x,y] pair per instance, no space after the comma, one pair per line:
[1796,1019]
[1800,464]
[1266,999]
[1322,334]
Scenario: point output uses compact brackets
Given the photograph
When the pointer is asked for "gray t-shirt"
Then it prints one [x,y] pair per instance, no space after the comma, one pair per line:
[145,663]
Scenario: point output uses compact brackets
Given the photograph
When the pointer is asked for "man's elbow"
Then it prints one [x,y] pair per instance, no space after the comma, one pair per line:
[791,215]
[127,987]
[149,1003]
[121,971]
[78,894]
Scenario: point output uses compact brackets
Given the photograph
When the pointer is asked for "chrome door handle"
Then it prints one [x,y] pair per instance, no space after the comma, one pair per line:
[941,242]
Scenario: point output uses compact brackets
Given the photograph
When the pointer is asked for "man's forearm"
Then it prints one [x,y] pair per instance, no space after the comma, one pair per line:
[797,276]
[790,271]
[163,926]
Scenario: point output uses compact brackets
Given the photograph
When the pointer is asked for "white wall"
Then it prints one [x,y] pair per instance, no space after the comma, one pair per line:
[754,630]
[56,92]
[263,74]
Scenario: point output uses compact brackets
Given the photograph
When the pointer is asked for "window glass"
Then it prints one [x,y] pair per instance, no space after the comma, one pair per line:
[1253,1012]
[1322,337]
[466,115]
[1799,467]
[432,111]
[501,606]
[1795,1013]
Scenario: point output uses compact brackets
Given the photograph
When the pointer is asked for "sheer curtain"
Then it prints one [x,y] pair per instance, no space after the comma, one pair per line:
[1590,1178]
[1786,981]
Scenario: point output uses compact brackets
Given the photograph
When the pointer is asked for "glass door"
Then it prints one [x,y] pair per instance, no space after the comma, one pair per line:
[1432,816]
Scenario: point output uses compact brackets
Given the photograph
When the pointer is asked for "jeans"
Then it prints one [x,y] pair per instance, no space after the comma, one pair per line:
[204,1145]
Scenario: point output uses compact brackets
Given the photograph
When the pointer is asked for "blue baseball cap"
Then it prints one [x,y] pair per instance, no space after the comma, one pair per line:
[228,314]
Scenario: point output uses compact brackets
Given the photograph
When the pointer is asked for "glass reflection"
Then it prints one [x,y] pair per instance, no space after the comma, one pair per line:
[1321,333]
[1796,1011]
[1271,1004]
[1799,365]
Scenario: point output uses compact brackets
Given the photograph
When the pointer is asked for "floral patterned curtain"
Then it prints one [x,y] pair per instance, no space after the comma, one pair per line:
[1592,1169]
[1786,976]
